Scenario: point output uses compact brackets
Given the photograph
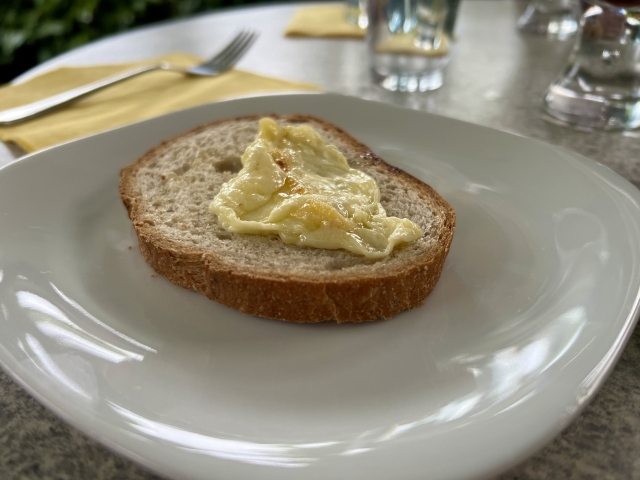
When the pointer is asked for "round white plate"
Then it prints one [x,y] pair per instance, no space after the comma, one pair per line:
[536,301]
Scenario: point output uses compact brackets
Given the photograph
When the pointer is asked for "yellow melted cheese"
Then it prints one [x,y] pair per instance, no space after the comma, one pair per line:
[296,186]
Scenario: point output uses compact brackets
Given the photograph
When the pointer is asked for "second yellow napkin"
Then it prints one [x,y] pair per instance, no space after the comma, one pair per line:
[136,99]
[323,21]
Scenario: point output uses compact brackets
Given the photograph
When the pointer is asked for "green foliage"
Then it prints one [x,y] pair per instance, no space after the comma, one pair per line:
[32,31]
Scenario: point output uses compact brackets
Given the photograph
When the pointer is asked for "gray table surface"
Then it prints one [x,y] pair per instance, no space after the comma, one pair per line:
[496,78]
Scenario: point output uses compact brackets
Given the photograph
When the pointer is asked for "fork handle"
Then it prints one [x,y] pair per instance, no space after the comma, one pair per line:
[31,110]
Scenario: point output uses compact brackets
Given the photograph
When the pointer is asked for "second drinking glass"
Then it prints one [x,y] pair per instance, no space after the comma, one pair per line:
[409,42]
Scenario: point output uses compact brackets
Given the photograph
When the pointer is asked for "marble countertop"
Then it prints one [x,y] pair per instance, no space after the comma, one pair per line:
[496,78]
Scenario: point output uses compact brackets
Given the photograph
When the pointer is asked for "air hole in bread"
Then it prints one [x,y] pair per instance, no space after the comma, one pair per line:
[182,169]
[222,236]
[232,164]
[334,265]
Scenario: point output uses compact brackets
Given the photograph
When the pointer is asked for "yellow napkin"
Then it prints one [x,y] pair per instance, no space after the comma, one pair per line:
[323,21]
[146,96]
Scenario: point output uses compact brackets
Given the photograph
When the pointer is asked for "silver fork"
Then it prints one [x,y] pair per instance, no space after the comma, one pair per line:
[224,60]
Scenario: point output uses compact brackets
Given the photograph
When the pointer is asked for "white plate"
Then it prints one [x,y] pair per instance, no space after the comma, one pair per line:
[536,301]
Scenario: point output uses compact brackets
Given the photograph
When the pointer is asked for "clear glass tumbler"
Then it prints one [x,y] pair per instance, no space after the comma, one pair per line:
[600,85]
[408,42]
[554,18]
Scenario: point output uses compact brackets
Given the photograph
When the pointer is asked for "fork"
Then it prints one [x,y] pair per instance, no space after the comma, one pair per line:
[224,60]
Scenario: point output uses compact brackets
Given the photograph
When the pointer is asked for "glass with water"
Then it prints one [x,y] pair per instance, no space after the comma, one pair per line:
[554,18]
[409,42]
[599,86]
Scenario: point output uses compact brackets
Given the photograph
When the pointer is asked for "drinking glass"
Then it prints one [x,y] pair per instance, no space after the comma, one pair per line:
[554,18]
[600,85]
[409,41]
[357,12]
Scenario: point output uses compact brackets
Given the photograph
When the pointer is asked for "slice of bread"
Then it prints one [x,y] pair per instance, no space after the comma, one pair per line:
[167,194]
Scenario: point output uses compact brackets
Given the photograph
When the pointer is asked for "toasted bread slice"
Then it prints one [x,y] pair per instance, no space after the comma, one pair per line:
[167,194]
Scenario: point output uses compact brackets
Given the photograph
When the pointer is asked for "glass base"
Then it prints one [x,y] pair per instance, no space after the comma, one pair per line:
[410,83]
[408,73]
[559,24]
[592,110]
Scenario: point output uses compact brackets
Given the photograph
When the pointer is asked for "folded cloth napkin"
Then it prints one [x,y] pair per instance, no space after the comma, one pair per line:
[323,21]
[146,96]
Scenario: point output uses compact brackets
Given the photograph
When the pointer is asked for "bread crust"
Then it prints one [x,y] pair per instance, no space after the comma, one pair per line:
[293,297]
